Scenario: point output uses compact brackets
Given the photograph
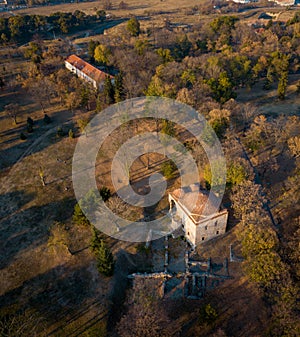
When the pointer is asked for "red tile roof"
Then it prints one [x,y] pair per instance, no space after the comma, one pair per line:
[87,69]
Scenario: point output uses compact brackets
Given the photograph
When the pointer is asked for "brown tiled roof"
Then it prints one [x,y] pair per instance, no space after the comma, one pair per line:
[200,203]
[88,69]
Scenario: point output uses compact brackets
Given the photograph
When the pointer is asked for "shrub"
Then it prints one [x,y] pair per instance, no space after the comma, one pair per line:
[236,174]
[141,248]
[30,121]
[58,235]
[60,132]
[47,119]
[207,314]
[123,5]
[22,136]
[71,134]
[133,26]
[169,169]
[105,193]
[29,128]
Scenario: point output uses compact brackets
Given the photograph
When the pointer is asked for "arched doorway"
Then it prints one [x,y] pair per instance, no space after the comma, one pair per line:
[172,207]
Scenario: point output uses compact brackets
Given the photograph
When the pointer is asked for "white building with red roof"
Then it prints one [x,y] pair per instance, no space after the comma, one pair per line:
[86,71]
[196,211]
[284,2]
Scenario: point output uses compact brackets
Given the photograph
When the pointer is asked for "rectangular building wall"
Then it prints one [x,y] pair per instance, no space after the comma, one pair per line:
[187,224]
[212,227]
[199,232]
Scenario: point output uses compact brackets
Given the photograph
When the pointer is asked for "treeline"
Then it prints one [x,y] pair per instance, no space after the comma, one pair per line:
[21,28]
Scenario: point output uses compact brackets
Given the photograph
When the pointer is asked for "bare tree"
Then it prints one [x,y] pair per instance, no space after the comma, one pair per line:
[42,176]
[246,198]
[12,111]
[72,101]
[107,4]
[146,316]
[41,88]
[294,146]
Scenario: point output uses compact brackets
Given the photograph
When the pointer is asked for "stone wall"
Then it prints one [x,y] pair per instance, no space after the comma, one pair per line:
[212,227]
[188,225]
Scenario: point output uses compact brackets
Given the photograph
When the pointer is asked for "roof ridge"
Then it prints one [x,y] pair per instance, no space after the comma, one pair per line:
[87,68]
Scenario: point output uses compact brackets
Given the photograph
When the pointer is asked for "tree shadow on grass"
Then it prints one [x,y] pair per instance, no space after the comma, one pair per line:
[12,201]
[20,230]
[43,136]
[61,296]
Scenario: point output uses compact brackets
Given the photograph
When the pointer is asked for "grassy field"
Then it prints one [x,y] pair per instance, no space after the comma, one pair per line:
[268,102]
[157,8]
[134,7]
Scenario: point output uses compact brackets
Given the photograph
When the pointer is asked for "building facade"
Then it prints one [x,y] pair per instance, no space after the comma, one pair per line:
[86,71]
[197,226]
[285,2]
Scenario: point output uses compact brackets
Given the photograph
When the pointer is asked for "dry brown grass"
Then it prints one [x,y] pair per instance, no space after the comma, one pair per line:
[155,8]
[134,7]
[267,100]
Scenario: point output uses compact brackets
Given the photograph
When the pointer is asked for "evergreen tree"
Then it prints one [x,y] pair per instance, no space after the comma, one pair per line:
[222,88]
[79,217]
[282,85]
[133,26]
[30,121]
[85,97]
[99,103]
[182,47]
[165,55]
[88,204]
[269,79]
[119,88]
[105,260]
[91,49]
[95,243]
[47,119]
[109,92]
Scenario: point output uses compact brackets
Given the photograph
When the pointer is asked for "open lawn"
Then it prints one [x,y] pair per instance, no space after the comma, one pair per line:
[134,7]
[267,101]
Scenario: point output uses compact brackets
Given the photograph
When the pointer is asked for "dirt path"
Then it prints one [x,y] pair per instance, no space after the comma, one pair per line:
[38,141]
